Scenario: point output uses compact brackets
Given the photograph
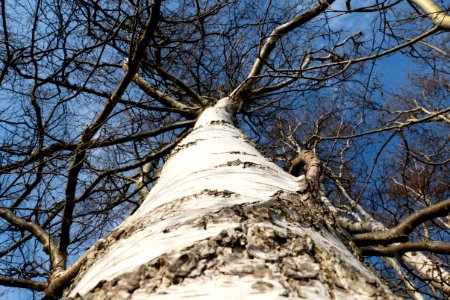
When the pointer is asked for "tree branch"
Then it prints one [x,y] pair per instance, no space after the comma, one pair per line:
[247,85]
[430,118]
[23,283]
[439,18]
[190,92]
[91,130]
[427,269]
[57,284]
[415,295]
[159,96]
[400,232]
[401,248]
[56,258]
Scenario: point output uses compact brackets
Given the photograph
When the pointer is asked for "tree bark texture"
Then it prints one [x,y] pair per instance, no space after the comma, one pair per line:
[223,222]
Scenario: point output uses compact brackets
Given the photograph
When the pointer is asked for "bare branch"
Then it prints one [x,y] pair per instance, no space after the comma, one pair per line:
[158,95]
[23,283]
[439,18]
[270,44]
[405,227]
[58,283]
[430,118]
[401,248]
[56,258]
[91,130]
[190,92]
[406,281]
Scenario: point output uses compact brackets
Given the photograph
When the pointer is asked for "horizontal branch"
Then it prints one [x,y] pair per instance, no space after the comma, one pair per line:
[57,147]
[430,118]
[191,113]
[23,283]
[378,55]
[358,226]
[141,136]
[298,73]
[429,270]
[405,227]
[401,248]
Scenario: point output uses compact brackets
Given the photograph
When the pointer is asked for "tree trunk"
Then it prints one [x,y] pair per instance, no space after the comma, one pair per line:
[223,222]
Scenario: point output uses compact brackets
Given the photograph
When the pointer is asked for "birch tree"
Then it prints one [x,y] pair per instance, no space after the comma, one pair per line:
[125,176]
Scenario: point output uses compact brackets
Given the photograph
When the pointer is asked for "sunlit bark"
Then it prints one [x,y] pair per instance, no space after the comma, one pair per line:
[223,220]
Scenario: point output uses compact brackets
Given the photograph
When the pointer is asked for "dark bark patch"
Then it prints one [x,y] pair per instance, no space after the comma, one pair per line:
[247,164]
[262,286]
[215,123]
[183,146]
[218,193]
[241,153]
[182,265]
[219,123]
[300,267]
[266,242]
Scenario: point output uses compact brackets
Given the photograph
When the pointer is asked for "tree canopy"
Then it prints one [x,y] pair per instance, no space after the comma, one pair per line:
[95,94]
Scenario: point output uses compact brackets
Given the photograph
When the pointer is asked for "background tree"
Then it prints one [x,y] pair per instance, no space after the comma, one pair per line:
[84,133]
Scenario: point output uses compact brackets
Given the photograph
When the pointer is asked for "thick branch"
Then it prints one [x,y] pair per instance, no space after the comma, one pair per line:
[402,248]
[439,18]
[358,226]
[310,162]
[405,227]
[144,179]
[32,227]
[55,287]
[427,269]
[23,283]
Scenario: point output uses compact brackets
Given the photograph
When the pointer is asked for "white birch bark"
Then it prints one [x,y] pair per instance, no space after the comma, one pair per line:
[223,222]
